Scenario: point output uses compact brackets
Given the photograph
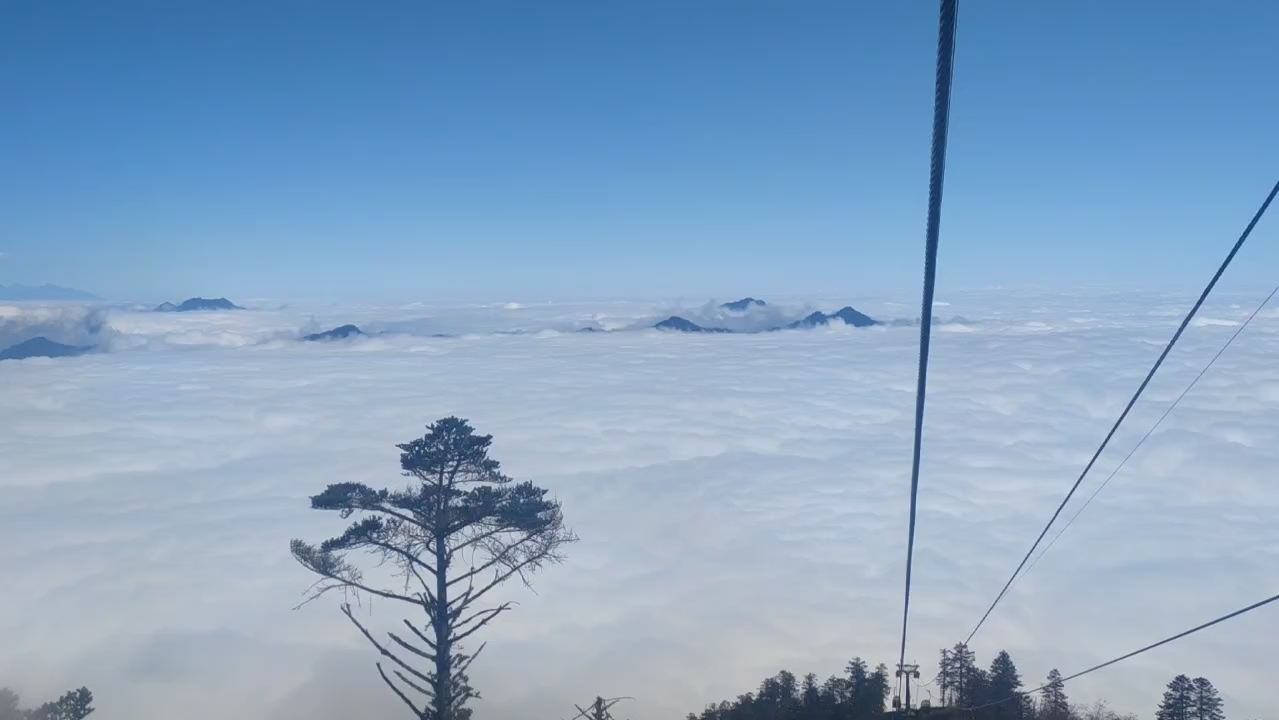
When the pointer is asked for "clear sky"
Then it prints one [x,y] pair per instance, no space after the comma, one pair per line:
[517,150]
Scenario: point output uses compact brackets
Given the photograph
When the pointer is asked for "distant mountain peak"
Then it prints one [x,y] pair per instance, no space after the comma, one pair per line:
[42,347]
[848,314]
[680,324]
[743,305]
[193,304]
[854,317]
[813,320]
[18,293]
[338,333]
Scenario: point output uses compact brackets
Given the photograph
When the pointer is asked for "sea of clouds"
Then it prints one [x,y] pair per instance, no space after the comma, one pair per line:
[741,499]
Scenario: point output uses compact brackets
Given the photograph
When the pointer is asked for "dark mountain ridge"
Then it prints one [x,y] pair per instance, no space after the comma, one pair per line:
[847,314]
[744,304]
[42,347]
[194,304]
[679,324]
[338,333]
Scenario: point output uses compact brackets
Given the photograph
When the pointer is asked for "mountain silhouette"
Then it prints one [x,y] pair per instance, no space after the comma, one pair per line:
[847,314]
[42,347]
[679,324]
[854,318]
[193,304]
[817,318]
[337,333]
[743,304]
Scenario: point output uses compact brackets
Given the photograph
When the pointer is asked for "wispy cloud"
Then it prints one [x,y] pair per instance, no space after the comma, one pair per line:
[741,502]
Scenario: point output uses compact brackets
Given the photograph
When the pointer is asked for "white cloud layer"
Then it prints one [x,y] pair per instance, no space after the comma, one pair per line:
[741,499]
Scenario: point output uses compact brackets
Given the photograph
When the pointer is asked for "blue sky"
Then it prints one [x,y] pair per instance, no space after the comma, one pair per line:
[408,150]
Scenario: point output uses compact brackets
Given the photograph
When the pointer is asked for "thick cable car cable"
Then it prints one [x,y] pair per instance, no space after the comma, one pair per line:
[937,172]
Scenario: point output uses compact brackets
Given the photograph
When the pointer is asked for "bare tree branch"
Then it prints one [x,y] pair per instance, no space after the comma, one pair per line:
[465,662]
[497,558]
[502,576]
[488,616]
[411,559]
[421,636]
[346,610]
[416,651]
[336,569]
[397,691]
[475,540]
[412,684]
[427,596]
[342,583]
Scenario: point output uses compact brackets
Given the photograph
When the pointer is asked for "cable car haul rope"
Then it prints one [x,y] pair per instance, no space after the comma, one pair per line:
[937,173]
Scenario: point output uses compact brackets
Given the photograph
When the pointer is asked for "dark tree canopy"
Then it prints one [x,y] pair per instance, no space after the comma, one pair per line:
[1178,701]
[459,530]
[1054,705]
[857,695]
[962,691]
[961,683]
[74,705]
[1003,684]
[1206,703]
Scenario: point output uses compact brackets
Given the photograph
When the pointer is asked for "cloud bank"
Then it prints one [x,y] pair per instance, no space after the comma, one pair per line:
[72,324]
[741,500]
[117,328]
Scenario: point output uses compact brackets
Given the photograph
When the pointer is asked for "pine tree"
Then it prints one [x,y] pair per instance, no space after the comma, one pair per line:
[457,532]
[1055,705]
[74,705]
[1003,684]
[977,691]
[858,684]
[1207,703]
[944,674]
[877,687]
[1178,701]
[962,679]
[790,687]
[835,690]
[810,694]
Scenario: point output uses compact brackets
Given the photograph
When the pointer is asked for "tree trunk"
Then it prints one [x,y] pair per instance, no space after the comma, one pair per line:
[443,689]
